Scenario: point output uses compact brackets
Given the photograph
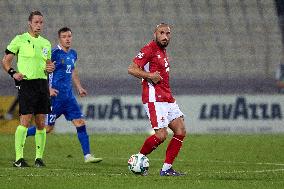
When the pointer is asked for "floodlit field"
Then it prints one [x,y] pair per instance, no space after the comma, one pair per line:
[211,161]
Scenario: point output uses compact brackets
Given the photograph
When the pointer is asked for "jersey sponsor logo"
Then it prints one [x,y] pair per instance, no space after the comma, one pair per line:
[44,51]
[140,55]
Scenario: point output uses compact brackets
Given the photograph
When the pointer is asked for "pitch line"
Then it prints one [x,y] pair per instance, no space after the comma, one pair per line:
[247,171]
[211,161]
[244,162]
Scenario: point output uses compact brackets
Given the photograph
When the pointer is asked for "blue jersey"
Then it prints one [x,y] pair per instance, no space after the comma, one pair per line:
[61,78]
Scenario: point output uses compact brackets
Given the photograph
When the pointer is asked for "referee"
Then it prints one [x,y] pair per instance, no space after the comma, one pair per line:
[33,54]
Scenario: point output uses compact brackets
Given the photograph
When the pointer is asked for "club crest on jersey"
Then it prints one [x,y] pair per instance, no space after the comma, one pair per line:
[159,56]
[140,55]
[62,61]
[44,51]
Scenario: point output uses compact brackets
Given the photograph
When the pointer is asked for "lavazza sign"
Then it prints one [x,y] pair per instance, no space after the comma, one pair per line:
[203,114]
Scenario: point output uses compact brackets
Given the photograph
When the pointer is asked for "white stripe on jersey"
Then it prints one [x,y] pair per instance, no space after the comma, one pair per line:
[152,96]
[58,46]
[152,92]
[50,77]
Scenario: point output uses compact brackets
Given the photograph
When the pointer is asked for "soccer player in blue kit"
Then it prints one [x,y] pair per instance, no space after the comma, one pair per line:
[61,92]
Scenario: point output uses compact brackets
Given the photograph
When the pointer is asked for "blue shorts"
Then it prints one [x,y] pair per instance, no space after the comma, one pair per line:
[68,107]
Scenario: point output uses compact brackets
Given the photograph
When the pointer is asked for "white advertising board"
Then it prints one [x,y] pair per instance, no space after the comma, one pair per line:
[203,114]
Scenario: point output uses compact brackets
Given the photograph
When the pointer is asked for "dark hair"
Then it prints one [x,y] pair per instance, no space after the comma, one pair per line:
[33,13]
[64,29]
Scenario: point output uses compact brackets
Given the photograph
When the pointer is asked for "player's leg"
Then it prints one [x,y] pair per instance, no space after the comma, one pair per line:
[83,138]
[40,139]
[49,124]
[20,138]
[178,127]
[41,108]
[82,134]
[32,130]
[156,115]
[74,114]
[27,98]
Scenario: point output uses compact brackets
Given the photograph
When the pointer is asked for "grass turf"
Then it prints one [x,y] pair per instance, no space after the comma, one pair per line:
[211,161]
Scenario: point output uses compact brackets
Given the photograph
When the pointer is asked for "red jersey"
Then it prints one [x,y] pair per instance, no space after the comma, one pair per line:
[153,58]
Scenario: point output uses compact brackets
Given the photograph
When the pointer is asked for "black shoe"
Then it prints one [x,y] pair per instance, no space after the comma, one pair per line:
[20,163]
[39,163]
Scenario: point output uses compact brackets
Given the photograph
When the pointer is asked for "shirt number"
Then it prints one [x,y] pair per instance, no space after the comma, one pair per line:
[52,118]
[68,69]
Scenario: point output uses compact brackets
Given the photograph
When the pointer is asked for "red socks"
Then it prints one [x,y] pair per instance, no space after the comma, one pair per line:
[150,144]
[173,148]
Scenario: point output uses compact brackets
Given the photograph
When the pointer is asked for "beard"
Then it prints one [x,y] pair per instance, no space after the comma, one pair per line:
[162,44]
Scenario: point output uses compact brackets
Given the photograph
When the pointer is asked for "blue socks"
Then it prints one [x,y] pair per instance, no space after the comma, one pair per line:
[31,131]
[81,133]
[84,139]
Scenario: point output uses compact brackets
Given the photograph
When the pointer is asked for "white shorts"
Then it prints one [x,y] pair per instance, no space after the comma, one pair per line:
[161,114]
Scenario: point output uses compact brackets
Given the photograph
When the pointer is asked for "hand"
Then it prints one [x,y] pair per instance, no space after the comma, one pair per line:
[82,92]
[50,66]
[155,77]
[18,76]
[53,92]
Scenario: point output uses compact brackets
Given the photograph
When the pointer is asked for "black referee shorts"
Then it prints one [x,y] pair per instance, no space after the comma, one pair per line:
[34,97]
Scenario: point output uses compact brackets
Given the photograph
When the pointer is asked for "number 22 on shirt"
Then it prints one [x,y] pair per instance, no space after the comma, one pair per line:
[68,69]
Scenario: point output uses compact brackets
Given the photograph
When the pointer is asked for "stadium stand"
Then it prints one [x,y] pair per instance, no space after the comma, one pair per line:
[221,46]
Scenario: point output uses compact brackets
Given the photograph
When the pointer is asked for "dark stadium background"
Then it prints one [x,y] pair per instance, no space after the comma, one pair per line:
[217,47]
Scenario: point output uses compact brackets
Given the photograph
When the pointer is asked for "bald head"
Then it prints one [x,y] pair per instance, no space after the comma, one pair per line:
[162,35]
[161,25]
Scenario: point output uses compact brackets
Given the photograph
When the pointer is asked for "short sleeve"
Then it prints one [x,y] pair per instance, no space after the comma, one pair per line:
[14,46]
[75,55]
[144,56]
[53,55]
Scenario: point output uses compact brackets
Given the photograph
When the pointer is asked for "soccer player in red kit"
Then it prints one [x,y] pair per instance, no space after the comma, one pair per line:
[152,66]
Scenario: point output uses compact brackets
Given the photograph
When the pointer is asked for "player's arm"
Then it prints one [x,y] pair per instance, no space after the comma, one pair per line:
[7,66]
[53,92]
[135,70]
[75,77]
[50,66]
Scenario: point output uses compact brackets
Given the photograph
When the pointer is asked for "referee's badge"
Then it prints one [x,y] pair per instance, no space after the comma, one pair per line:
[44,51]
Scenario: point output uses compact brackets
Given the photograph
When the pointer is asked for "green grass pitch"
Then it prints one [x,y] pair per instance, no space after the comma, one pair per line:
[211,161]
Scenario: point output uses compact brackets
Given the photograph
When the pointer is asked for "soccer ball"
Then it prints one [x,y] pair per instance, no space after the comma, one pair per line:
[138,164]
